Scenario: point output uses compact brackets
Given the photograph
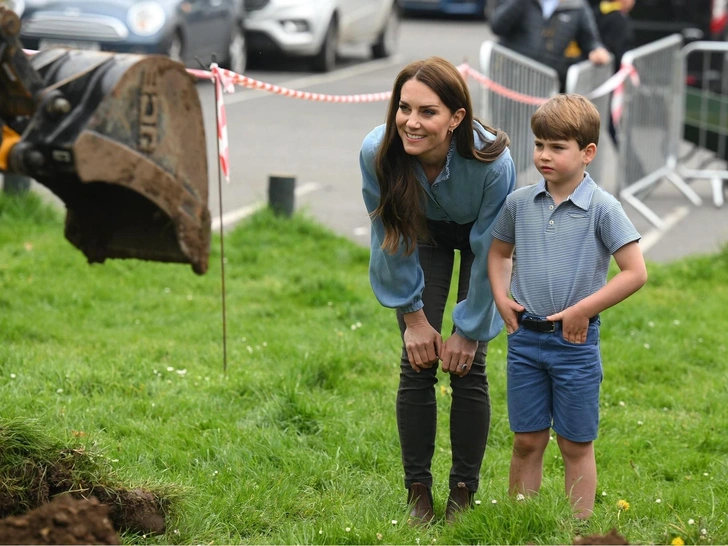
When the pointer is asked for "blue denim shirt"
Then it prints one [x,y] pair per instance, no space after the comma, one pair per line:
[465,191]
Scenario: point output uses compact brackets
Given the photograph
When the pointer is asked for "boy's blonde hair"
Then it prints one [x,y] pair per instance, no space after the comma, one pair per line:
[566,117]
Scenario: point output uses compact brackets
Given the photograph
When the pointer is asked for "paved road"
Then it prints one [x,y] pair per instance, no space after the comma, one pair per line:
[319,142]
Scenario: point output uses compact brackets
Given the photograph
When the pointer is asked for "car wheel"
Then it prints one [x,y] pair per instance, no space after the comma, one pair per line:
[386,44]
[175,48]
[237,56]
[325,59]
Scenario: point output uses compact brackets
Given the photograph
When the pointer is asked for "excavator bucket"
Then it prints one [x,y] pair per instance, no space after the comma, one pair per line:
[119,138]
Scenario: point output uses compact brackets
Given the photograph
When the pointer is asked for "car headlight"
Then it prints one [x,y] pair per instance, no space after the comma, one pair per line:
[18,6]
[146,18]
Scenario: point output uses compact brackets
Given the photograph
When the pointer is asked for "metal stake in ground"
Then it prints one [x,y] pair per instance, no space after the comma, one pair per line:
[217,83]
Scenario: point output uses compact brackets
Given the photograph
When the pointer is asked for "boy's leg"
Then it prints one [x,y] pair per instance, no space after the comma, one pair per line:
[580,475]
[576,371]
[529,410]
[527,462]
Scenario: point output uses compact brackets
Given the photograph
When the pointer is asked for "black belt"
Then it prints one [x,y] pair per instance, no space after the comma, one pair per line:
[543,325]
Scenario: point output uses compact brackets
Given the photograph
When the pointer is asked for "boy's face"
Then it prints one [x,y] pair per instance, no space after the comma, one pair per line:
[561,162]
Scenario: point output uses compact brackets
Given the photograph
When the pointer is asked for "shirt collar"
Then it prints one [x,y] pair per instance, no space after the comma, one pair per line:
[445,173]
[581,196]
[548,7]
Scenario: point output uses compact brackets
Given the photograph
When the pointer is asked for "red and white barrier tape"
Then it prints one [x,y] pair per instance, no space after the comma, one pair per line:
[245,81]
[226,80]
[617,104]
[222,82]
[502,89]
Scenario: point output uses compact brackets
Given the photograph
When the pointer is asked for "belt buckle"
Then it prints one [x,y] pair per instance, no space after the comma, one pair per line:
[548,327]
[539,325]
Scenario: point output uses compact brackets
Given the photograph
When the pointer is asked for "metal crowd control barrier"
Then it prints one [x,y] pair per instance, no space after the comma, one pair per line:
[583,78]
[507,110]
[706,113]
[649,130]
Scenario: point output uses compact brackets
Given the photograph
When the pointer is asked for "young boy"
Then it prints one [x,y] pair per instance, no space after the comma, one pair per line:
[564,230]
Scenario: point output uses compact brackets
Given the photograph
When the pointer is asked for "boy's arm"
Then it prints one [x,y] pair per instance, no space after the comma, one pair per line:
[500,268]
[631,277]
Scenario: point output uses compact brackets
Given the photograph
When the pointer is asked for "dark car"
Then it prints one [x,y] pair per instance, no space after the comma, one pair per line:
[477,8]
[183,29]
[694,19]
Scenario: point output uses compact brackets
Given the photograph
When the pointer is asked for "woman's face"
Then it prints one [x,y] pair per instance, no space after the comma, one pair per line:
[423,122]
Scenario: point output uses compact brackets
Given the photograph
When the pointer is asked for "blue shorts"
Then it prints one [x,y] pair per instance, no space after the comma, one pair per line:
[554,383]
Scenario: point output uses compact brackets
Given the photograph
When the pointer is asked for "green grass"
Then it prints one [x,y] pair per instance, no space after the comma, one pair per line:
[297,442]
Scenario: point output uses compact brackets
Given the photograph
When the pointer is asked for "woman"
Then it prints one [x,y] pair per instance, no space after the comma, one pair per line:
[434,180]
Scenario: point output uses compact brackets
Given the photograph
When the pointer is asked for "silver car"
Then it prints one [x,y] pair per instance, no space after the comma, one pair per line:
[314,29]
[186,30]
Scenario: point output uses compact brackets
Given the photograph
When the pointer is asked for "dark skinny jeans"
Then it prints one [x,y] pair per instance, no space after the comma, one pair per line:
[416,396]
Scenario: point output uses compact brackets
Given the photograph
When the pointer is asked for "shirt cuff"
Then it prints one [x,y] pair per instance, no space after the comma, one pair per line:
[459,332]
[416,305]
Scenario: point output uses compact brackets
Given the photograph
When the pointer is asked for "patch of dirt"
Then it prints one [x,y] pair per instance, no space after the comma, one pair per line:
[137,511]
[65,520]
[34,485]
[612,537]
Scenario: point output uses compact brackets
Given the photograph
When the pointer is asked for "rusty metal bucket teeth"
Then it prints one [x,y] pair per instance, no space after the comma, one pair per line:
[120,139]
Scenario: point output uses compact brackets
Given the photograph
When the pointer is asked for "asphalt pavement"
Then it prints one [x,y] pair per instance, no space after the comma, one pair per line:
[318,143]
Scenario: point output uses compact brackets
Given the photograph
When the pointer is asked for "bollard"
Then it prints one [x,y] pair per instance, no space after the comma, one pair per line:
[281,194]
[15,184]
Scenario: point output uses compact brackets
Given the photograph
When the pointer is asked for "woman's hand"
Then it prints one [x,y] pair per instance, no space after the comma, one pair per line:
[422,342]
[458,354]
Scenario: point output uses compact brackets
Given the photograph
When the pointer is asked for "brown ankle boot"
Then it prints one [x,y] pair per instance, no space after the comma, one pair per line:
[419,498]
[460,499]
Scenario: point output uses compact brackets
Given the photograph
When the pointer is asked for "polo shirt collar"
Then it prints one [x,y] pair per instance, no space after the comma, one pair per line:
[581,196]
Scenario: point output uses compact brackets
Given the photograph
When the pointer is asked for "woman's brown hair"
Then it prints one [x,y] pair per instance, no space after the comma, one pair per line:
[401,204]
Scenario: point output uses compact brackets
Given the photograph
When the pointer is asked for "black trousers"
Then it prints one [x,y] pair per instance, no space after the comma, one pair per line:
[416,396]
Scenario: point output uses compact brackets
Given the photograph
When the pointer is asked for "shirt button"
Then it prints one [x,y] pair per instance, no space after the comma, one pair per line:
[551,207]
[551,222]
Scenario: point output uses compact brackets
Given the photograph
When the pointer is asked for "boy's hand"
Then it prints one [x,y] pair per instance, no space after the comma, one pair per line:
[599,56]
[509,310]
[574,325]
[458,354]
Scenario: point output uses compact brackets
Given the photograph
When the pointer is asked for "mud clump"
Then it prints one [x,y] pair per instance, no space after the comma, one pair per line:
[612,537]
[64,520]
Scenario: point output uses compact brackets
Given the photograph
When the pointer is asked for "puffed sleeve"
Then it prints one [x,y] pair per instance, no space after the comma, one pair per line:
[476,317]
[397,280]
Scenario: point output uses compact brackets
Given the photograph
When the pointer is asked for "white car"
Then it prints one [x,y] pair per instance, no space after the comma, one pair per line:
[314,29]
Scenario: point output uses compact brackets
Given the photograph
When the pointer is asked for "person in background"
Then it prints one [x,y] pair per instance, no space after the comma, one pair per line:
[564,230]
[617,33]
[557,33]
[615,26]
[433,180]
